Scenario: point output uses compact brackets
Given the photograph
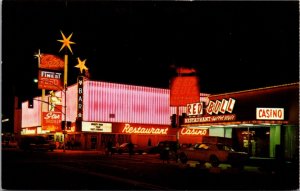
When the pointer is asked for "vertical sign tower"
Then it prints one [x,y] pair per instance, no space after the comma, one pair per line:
[80,80]
[66,43]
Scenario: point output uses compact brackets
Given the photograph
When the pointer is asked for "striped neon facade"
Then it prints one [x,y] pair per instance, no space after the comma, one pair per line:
[111,102]
[31,117]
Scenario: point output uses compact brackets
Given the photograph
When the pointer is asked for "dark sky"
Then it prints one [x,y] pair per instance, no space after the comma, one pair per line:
[233,45]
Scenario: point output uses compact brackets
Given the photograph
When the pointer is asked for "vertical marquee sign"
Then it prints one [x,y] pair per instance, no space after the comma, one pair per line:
[80,98]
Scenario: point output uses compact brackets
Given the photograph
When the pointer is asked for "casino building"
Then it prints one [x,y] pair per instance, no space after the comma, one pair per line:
[263,122]
[105,112]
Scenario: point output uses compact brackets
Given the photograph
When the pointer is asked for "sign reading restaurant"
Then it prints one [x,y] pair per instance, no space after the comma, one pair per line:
[144,130]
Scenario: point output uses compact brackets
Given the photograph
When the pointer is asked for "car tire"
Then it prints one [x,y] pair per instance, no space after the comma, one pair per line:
[183,158]
[214,161]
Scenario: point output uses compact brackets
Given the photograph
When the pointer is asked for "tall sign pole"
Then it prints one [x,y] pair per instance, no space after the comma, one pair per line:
[80,81]
[38,56]
[66,43]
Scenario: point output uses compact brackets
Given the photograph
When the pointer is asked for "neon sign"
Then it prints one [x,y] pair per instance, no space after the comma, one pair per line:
[270,113]
[80,99]
[195,109]
[28,131]
[51,62]
[51,121]
[230,117]
[184,90]
[144,130]
[189,131]
[218,106]
[50,80]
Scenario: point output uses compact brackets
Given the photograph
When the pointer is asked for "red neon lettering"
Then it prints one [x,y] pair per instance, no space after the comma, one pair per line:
[194,109]
[260,113]
[217,107]
[210,107]
[186,131]
[230,105]
[275,113]
[270,113]
[223,105]
[142,130]
[200,106]
[189,109]
[52,116]
[280,113]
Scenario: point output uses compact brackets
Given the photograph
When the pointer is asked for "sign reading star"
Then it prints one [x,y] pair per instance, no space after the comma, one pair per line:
[81,65]
[66,42]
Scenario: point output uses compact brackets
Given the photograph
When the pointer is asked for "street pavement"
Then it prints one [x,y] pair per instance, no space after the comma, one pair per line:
[76,169]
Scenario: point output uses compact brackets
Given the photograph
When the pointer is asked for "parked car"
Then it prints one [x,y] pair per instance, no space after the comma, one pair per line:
[52,145]
[124,148]
[36,143]
[162,145]
[215,153]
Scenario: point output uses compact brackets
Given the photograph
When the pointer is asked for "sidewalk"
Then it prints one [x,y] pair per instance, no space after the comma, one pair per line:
[77,151]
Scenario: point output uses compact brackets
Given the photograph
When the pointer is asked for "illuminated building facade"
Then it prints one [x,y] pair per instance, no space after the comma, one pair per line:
[100,112]
[263,122]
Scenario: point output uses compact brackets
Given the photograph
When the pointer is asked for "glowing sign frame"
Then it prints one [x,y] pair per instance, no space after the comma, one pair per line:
[52,121]
[50,80]
[270,113]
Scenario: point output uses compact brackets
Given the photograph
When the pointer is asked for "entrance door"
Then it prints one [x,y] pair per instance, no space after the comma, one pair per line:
[93,141]
[254,141]
[105,138]
[123,139]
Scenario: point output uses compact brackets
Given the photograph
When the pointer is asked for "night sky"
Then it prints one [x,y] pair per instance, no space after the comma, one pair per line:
[233,45]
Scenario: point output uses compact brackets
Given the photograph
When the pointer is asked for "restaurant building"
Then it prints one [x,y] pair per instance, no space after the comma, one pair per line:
[98,112]
[264,122]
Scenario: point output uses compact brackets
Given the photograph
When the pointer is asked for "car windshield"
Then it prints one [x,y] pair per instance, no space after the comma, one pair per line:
[225,147]
[201,146]
[123,145]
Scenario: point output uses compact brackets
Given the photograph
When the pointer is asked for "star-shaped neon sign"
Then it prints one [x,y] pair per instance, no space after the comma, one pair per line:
[38,55]
[81,65]
[66,42]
